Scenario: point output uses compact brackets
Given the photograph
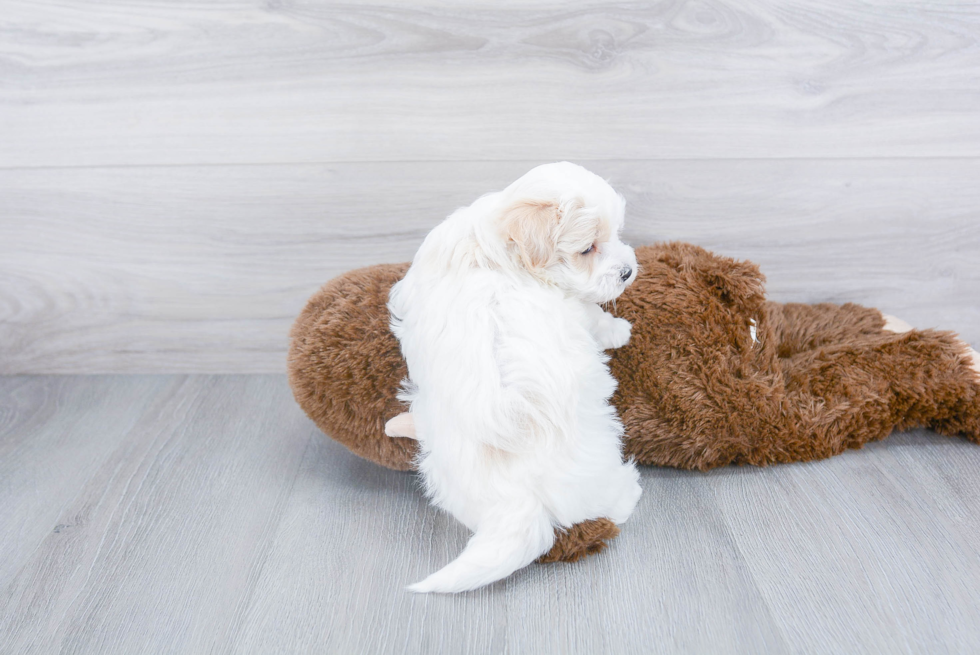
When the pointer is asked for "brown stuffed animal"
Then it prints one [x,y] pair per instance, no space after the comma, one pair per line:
[713,374]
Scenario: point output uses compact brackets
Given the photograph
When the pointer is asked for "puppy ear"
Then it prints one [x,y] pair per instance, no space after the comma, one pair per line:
[530,226]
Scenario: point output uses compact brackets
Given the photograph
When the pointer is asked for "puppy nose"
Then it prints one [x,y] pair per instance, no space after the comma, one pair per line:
[625,272]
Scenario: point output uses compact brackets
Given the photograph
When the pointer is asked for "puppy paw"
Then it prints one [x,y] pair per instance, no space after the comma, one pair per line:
[402,425]
[616,334]
[628,496]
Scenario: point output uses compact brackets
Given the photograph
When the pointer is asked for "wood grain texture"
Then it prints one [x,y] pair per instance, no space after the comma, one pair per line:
[55,434]
[157,551]
[177,177]
[161,82]
[223,523]
[884,519]
[203,269]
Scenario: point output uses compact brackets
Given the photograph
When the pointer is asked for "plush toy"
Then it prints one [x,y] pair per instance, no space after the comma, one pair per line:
[713,374]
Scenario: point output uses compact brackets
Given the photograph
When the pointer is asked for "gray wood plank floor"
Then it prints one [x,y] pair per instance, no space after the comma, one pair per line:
[162,514]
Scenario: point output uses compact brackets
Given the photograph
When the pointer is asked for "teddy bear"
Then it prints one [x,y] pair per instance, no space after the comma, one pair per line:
[713,374]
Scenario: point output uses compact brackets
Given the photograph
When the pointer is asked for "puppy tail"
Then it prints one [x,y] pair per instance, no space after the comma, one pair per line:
[502,544]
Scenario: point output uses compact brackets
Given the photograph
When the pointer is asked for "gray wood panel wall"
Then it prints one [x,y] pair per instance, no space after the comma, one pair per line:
[177,177]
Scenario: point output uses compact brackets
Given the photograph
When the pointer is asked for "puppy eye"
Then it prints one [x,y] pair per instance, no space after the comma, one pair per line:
[588,250]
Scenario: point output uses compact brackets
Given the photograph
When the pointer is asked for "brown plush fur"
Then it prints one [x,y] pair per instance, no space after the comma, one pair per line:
[581,540]
[345,365]
[694,390]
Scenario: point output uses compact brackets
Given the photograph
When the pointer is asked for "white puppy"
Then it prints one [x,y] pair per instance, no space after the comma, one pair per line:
[499,323]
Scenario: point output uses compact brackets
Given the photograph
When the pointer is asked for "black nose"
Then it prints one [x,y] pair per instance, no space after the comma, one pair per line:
[625,272]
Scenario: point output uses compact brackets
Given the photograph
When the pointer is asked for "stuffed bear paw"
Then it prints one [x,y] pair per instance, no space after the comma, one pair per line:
[893,324]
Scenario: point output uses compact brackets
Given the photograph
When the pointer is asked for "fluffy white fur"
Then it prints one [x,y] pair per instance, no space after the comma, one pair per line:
[499,323]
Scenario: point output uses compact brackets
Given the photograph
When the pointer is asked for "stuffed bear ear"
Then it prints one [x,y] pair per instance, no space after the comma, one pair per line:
[530,228]
[736,283]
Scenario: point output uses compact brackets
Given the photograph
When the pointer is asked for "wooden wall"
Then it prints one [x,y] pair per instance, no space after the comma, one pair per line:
[177,177]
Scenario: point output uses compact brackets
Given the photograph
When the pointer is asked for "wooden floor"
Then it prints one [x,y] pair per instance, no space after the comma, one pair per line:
[165,514]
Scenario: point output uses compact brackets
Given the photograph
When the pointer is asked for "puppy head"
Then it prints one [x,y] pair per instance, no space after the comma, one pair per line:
[561,224]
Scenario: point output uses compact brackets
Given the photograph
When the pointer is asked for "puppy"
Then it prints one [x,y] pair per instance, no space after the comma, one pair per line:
[499,322]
